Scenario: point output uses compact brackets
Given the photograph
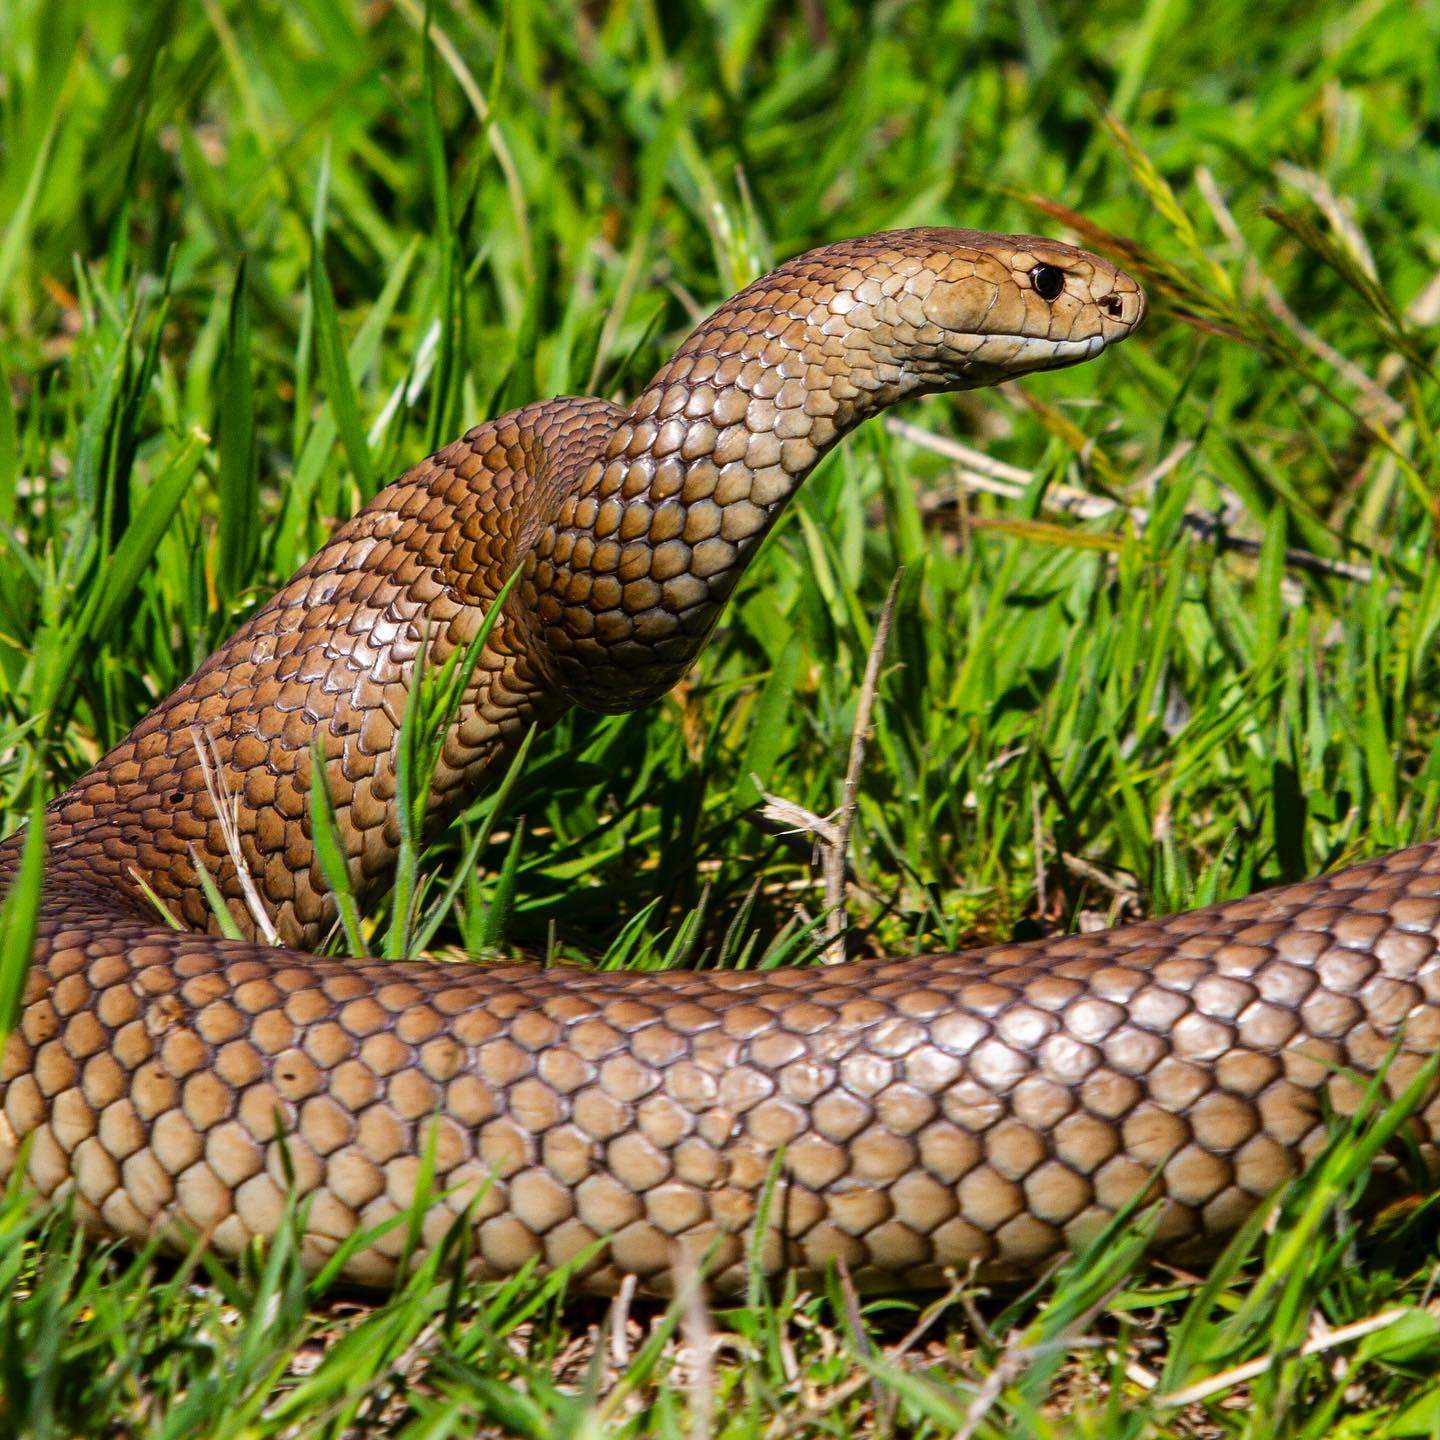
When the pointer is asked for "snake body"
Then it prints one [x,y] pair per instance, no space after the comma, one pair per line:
[996,1106]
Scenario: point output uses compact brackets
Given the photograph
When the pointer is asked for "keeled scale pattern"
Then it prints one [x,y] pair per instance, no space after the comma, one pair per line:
[992,1107]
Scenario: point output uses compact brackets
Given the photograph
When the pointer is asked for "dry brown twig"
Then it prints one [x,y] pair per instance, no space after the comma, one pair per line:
[702,1345]
[784,1425]
[978,472]
[832,832]
[620,1321]
[1238,1374]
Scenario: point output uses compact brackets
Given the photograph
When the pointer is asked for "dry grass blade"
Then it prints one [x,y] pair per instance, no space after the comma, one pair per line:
[833,855]
[1383,405]
[227,815]
[1011,482]
[702,1345]
[832,833]
[421,18]
[1239,1374]
[792,1424]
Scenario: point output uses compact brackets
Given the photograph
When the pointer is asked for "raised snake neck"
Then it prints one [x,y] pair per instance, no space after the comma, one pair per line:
[993,1106]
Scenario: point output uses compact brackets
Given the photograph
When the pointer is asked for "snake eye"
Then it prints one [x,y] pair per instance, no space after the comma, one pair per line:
[1048,280]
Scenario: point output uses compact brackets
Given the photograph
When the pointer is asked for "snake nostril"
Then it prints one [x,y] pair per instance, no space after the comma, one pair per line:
[1113,306]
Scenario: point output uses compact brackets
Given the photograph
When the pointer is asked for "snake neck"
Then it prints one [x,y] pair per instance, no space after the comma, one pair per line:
[632,574]
[633,528]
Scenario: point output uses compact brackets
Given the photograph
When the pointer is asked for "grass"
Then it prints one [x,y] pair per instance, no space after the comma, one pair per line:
[256,258]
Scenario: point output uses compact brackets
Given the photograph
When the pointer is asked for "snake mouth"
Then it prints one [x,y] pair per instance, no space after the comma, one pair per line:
[1006,356]
[1058,354]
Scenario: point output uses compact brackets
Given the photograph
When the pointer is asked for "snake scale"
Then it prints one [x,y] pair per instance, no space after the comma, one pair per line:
[996,1106]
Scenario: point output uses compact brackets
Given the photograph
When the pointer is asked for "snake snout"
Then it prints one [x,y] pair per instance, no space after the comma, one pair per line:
[1124,307]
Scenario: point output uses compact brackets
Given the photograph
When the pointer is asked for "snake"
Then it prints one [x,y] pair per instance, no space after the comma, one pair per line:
[905,1116]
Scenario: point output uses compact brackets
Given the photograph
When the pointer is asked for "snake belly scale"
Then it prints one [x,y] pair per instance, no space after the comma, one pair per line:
[996,1106]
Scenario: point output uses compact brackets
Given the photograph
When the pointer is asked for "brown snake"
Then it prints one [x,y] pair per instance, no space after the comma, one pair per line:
[994,1106]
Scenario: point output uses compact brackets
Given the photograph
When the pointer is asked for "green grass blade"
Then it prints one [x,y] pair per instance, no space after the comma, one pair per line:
[19,917]
[142,537]
[330,850]
[335,372]
[238,483]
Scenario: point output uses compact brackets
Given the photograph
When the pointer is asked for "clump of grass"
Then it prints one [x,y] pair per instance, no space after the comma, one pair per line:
[255,259]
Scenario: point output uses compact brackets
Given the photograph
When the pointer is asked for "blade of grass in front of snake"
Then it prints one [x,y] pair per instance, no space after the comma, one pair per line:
[160,907]
[492,921]
[423,1196]
[218,908]
[630,949]
[1196,1327]
[434,701]
[799,943]
[20,913]
[1346,1160]
[464,873]
[330,851]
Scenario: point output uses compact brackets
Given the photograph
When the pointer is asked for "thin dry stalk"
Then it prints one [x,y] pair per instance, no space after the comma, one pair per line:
[831,833]
[227,815]
[1009,482]
[797,819]
[1238,1374]
[833,856]
[620,1322]
[1382,404]
[1008,1368]
[1123,887]
[861,1341]
[415,13]
[702,1343]
[783,1425]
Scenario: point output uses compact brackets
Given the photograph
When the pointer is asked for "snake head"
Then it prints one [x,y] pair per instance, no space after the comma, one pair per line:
[968,308]
[653,531]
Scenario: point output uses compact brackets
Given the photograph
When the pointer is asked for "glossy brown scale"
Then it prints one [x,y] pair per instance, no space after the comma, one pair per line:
[994,1106]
